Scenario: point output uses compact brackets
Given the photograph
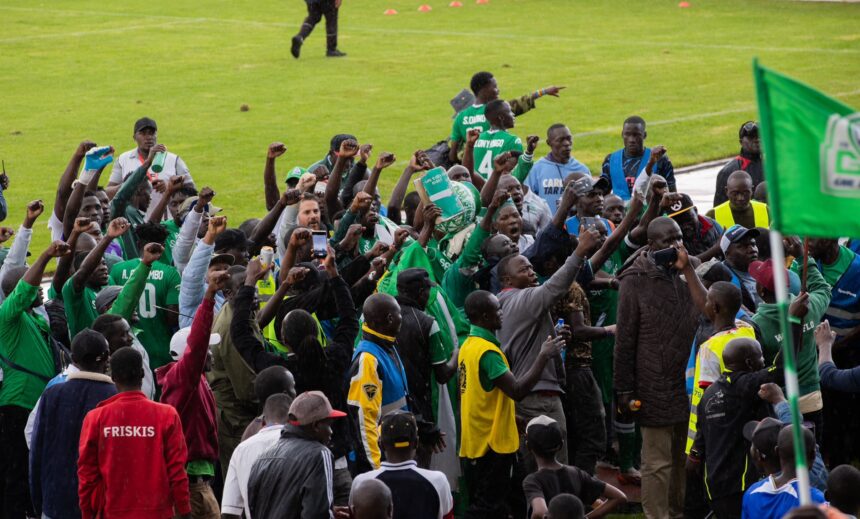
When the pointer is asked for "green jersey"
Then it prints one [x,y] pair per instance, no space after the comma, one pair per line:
[80,307]
[472,117]
[161,290]
[491,144]
[170,242]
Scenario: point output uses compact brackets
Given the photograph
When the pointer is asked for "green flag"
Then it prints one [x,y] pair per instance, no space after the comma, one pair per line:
[811,145]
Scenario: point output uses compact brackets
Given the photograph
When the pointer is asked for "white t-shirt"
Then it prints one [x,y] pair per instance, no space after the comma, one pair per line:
[235,497]
[128,162]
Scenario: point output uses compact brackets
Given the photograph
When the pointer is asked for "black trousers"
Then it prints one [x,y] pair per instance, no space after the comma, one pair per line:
[586,425]
[695,499]
[728,507]
[316,10]
[489,480]
[14,460]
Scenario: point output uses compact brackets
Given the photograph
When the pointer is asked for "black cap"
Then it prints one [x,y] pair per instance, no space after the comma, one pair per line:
[763,434]
[680,206]
[399,429]
[544,434]
[339,138]
[145,122]
[748,129]
[414,276]
[587,184]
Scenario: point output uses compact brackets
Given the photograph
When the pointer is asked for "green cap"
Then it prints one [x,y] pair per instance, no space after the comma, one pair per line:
[296,173]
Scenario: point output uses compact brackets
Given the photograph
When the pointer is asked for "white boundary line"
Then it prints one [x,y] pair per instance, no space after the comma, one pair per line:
[488,35]
[113,30]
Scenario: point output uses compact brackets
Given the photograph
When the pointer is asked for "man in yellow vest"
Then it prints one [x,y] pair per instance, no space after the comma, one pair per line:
[740,209]
[488,389]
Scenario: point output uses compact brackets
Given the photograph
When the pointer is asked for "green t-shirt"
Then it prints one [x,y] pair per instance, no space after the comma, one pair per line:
[491,366]
[80,307]
[162,290]
[472,117]
[170,242]
[833,272]
[491,144]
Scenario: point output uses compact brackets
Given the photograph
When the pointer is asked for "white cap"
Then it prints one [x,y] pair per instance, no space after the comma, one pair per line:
[179,342]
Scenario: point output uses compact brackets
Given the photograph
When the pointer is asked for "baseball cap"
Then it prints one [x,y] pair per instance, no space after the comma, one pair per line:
[179,342]
[312,406]
[399,429]
[295,173]
[763,434]
[748,129]
[583,186]
[763,273]
[106,297]
[145,122]
[680,206]
[735,234]
[191,201]
[223,258]
[544,434]
[414,276]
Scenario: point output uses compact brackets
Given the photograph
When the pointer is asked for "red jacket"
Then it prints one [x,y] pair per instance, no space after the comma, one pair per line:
[131,460]
[184,387]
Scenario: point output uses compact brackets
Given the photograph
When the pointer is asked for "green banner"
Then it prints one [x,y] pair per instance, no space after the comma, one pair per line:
[811,146]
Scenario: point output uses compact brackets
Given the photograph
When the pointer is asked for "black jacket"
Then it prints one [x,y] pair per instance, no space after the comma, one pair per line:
[414,347]
[752,166]
[330,378]
[292,480]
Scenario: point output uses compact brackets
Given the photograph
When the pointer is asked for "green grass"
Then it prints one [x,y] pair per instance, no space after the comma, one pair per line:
[88,69]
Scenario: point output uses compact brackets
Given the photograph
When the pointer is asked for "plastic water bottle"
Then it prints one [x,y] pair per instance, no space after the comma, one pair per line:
[558,327]
[158,162]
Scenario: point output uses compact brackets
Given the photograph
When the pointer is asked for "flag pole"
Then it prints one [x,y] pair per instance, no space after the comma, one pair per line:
[805,270]
[791,384]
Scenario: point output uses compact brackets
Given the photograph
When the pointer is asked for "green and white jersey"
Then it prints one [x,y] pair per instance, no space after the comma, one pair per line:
[490,145]
[472,117]
[162,290]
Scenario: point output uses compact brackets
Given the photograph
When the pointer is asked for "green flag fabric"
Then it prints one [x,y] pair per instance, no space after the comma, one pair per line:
[811,146]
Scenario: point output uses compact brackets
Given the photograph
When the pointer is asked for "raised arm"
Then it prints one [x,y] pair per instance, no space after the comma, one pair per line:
[64,264]
[385,159]
[96,160]
[270,179]
[64,188]
[193,362]
[116,229]
[502,165]
[174,184]
[126,190]
[355,175]
[348,149]
[525,161]
[697,290]
[191,288]
[128,298]
[519,388]
[268,223]
[614,240]
[469,157]
[242,326]
[659,188]
[395,203]
[190,228]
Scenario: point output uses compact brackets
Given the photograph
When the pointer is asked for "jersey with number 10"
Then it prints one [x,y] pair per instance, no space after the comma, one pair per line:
[161,290]
[490,145]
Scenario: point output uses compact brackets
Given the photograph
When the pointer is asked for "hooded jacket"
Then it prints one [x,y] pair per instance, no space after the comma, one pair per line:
[657,321]
[56,433]
[132,460]
[292,480]
[184,387]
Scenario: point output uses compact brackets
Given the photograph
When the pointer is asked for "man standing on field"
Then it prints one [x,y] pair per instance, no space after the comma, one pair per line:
[316,10]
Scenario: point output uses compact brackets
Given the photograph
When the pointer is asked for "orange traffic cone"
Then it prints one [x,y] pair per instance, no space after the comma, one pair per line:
[482,1]
[684,4]
[389,12]
[424,8]
[455,3]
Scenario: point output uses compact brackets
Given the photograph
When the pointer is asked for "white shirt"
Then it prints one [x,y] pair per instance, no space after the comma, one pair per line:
[128,162]
[235,497]
[432,478]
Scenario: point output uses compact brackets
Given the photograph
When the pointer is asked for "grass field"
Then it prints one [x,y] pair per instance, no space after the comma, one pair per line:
[88,69]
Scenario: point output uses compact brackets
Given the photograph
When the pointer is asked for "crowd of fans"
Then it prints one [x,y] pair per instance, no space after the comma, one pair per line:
[344,357]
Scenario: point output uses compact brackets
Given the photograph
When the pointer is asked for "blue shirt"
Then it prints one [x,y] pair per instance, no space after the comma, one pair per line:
[546,178]
[763,501]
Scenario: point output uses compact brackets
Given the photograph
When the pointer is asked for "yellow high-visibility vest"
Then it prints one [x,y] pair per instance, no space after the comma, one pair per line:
[723,215]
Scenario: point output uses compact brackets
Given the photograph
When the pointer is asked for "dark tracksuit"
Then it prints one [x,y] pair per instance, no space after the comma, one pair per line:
[316,10]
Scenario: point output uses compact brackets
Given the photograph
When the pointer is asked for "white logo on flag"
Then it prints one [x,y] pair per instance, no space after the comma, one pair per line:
[840,156]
